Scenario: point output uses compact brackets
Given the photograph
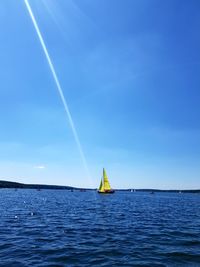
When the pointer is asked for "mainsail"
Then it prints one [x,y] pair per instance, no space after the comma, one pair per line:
[105,181]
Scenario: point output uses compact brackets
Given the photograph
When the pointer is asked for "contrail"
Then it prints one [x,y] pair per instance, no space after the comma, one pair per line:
[58,86]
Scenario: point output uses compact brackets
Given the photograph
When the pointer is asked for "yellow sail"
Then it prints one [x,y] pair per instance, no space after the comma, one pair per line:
[105,185]
[105,181]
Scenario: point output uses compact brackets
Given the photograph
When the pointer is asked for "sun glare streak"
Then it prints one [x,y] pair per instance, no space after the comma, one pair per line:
[59,89]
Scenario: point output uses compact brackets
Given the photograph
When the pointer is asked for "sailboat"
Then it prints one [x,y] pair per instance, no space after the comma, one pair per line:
[105,187]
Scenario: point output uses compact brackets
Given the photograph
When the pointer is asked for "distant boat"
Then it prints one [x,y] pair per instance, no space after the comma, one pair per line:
[105,187]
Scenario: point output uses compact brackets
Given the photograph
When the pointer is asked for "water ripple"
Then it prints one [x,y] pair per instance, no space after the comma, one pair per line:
[60,228]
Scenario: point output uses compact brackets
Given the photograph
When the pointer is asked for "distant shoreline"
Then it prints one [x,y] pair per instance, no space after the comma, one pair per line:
[16,185]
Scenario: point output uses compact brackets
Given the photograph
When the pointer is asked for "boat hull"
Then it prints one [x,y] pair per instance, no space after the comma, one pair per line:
[106,192]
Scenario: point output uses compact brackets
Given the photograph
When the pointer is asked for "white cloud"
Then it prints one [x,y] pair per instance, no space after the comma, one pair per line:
[40,167]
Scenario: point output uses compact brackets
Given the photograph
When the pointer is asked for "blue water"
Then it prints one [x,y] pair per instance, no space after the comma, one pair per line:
[61,228]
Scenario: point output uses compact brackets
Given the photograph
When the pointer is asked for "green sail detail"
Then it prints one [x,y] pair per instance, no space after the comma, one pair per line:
[101,188]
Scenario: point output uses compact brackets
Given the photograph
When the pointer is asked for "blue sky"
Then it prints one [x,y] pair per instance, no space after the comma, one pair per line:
[130,73]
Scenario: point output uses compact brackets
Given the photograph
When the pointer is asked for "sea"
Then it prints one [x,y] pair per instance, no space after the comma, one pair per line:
[64,228]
